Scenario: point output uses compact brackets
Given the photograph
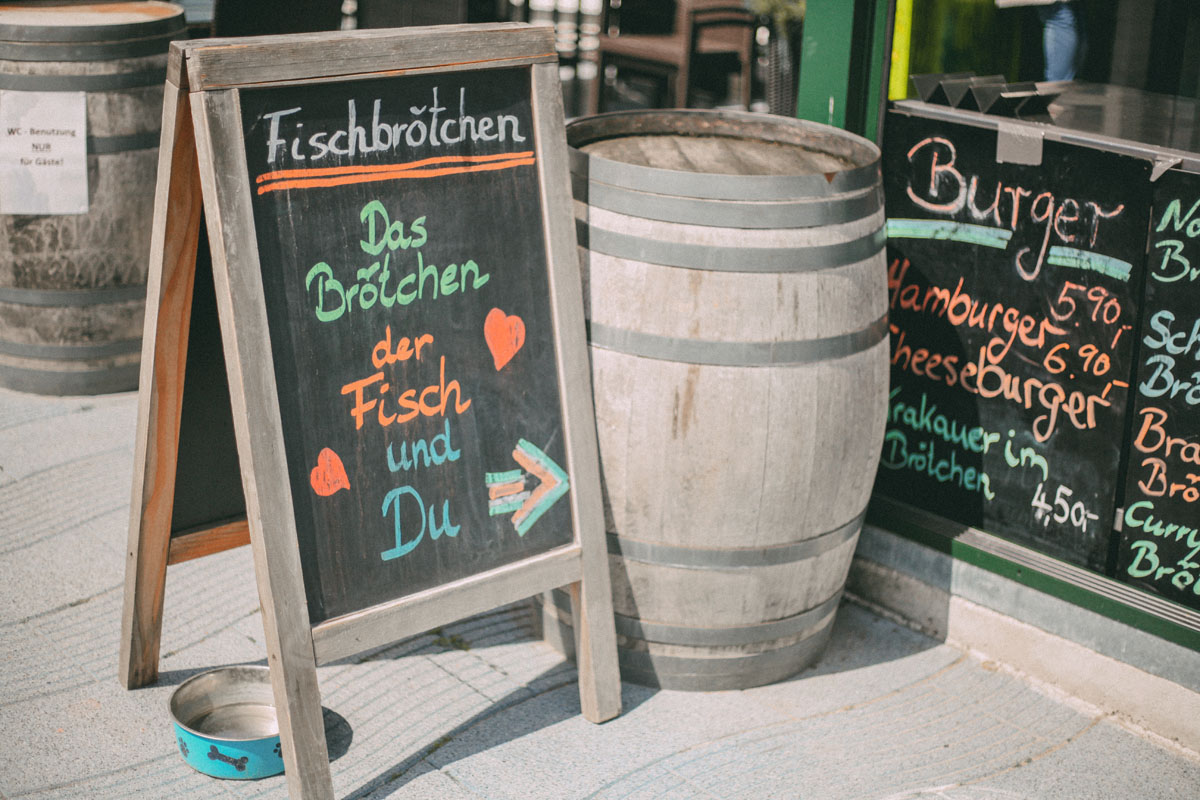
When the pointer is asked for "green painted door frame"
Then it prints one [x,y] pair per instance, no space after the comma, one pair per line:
[843,64]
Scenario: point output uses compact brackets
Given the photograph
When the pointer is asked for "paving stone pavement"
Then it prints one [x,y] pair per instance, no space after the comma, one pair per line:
[483,708]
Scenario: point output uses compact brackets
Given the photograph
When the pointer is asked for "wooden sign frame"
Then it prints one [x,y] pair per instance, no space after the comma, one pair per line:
[203,166]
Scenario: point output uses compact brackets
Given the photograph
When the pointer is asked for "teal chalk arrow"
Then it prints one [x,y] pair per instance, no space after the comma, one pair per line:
[508,492]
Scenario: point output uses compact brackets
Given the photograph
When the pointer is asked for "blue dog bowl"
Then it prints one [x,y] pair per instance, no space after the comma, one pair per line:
[225,723]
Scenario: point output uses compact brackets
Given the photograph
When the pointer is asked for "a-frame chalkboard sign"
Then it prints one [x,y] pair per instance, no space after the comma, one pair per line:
[401,318]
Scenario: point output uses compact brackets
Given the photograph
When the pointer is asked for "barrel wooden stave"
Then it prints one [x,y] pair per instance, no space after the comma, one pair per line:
[677,441]
[715,598]
[789,489]
[755,659]
[662,401]
[659,666]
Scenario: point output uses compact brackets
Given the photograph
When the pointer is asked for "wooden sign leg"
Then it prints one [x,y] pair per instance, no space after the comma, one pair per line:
[301,726]
[591,602]
[591,598]
[595,654]
[164,355]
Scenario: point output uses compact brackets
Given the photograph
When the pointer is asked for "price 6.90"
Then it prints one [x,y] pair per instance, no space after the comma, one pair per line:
[1063,510]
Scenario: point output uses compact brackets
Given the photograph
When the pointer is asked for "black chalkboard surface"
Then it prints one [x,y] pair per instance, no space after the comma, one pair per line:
[1013,291]
[1160,536]
[208,484]
[400,232]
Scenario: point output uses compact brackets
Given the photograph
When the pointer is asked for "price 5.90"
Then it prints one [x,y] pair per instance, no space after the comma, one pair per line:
[1062,510]
[1105,307]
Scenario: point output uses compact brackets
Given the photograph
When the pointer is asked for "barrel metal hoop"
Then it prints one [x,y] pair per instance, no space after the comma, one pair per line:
[726,637]
[737,354]
[101,82]
[87,51]
[72,297]
[730,259]
[804,213]
[717,186]
[105,380]
[749,633]
[665,555]
[713,673]
[71,352]
[107,145]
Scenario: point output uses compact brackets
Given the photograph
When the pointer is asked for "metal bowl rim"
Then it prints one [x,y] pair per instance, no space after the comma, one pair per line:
[208,736]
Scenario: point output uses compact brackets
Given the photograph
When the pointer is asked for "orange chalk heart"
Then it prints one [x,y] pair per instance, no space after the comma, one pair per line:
[504,335]
[329,475]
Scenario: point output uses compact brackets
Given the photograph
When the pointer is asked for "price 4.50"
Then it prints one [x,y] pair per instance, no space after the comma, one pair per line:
[1063,510]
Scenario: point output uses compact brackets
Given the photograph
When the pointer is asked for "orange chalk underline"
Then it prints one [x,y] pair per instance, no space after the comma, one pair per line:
[425,168]
[506,489]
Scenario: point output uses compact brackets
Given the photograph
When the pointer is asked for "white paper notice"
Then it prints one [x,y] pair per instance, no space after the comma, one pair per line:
[43,153]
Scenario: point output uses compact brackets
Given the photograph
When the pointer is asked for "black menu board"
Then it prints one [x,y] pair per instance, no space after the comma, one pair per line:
[1160,533]
[1013,289]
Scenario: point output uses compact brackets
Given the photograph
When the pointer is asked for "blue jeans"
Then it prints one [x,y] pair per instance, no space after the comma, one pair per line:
[1062,40]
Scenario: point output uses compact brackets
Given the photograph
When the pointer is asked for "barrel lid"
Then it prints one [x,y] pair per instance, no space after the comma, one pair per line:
[88,20]
[720,154]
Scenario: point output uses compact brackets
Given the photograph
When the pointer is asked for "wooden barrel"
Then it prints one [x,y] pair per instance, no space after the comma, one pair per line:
[736,297]
[72,286]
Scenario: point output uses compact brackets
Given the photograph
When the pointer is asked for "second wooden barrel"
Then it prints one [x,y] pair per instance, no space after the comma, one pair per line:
[73,286]
[735,289]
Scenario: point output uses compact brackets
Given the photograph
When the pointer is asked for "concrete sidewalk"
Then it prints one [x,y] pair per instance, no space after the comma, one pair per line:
[484,709]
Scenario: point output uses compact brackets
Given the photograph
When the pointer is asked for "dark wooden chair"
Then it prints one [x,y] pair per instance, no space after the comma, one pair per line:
[706,37]
[241,18]
[406,13]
